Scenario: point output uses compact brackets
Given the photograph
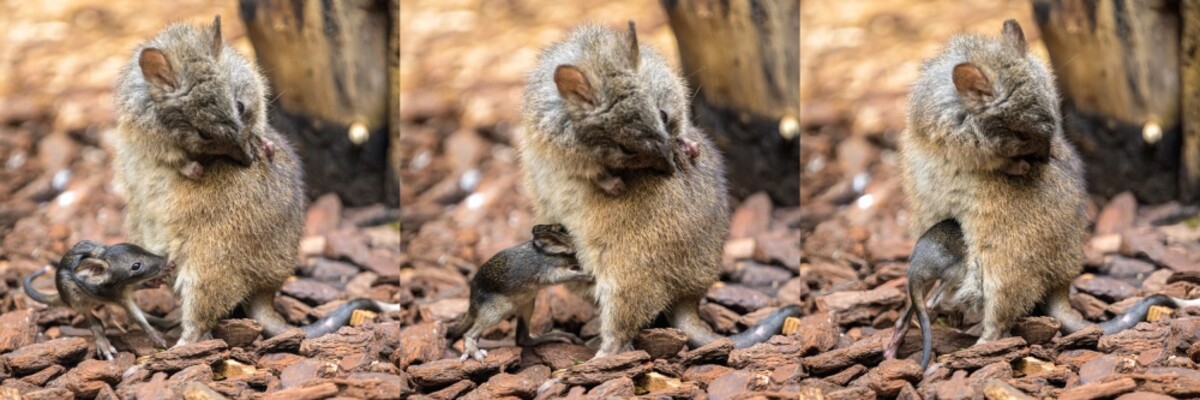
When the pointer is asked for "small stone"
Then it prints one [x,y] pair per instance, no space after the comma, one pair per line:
[739,298]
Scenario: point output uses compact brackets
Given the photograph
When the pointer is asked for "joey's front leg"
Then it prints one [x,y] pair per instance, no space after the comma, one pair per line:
[140,317]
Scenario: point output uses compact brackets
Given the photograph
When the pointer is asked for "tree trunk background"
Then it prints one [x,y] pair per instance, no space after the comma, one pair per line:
[1118,67]
[743,59]
[393,173]
[1189,70]
[327,63]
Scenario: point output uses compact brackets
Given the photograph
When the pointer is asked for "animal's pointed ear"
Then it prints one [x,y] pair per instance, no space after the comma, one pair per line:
[550,241]
[157,70]
[1015,36]
[573,86]
[972,85]
[633,46]
[216,36]
[92,270]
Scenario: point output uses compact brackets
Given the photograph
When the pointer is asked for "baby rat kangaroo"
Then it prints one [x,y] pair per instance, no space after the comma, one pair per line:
[91,275]
[184,96]
[510,281]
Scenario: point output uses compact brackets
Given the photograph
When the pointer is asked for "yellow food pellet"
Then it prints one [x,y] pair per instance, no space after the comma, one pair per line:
[359,317]
[791,325]
[1158,312]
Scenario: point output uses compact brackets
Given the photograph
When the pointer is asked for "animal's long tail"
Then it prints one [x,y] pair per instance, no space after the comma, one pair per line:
[459,329]
[1060,308]
[699,333]
[50,299]
[262,310]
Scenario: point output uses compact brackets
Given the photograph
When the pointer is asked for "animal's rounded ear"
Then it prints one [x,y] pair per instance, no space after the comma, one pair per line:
[157,70]
[87,248]
[972,85]
[551,242]
[92,270]
[1015,36]
[573,86]
[633,47]
[216,36]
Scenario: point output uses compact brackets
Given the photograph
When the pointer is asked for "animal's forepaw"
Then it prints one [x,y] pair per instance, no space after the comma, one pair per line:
[193,170]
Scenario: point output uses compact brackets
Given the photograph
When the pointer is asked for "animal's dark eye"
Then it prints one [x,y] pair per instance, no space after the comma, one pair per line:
[203,135]
[241,108]
[137,266]
[663,115]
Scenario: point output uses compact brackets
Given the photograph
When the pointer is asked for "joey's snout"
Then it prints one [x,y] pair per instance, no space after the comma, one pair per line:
[664,161]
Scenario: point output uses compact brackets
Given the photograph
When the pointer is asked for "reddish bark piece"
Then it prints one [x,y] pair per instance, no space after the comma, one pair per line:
[1006,349]
[1099,390]
[207,352]
[627,364]
[239,332]
[776,351]
[1037,330]
[422,343]
[660,343]
[314,392]
[35,357]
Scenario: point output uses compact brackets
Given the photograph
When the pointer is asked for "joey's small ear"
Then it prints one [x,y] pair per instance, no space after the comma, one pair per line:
[552,243]
[972,84]
[157,70]
[1014,35]
[216,36]
[92,270]
[573,86]
[633,46]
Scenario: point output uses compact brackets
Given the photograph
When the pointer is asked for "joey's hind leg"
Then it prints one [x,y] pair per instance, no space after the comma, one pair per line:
[140,317]
[489,314]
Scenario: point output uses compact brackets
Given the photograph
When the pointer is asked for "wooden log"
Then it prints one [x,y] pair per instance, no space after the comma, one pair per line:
[393,177]
[1189,71]
[1117,66]
[743,60]
[327,62]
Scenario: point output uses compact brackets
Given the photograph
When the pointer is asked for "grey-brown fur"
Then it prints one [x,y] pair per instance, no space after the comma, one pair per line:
[92,275]
[509,281]
[657,247]
[233,234]
[980,109]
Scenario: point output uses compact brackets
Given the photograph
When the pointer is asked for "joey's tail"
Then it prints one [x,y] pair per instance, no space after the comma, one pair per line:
[467,321]
[687,319]
[50,299]
[1059,307]
[261,308]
